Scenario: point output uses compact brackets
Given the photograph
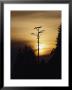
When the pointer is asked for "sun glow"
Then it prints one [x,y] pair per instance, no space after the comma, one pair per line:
[42,50]
[23,24]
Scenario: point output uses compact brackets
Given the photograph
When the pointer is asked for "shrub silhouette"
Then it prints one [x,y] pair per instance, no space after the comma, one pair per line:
[21,56]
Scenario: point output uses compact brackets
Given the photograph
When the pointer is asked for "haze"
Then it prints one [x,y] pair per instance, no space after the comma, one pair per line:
[23,23]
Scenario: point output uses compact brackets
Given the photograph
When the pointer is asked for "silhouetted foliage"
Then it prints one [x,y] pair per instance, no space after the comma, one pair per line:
[55,61]
[59,38]
[21,55]
[24,65]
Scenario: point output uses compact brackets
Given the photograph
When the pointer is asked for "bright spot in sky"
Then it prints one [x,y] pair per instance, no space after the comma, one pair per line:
[42,49]
[41,46]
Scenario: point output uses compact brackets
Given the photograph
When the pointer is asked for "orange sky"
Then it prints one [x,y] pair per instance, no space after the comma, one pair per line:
[23,23]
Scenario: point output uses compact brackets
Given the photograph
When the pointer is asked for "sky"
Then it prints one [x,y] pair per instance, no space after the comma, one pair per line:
[24,22]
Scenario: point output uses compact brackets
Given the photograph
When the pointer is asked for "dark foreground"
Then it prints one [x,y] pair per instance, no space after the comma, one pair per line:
[24,64]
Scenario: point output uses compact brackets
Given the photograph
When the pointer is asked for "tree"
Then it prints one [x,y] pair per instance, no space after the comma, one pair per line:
[55,61]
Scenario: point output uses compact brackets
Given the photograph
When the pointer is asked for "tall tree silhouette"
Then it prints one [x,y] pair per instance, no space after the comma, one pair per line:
[59,39]
[38,36]
[55,62]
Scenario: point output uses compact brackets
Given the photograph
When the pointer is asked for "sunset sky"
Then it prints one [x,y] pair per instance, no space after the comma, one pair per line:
[23,23]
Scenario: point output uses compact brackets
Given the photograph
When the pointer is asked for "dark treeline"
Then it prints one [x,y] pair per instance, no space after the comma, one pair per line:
[24,65]
[21,54]
[55,61]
